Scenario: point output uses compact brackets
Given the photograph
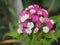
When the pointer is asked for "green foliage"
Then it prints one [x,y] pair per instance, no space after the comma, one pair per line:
[45,42]
[33,41]
[14,16]
[26,39]
[47,3]
[57,20]
[12,33]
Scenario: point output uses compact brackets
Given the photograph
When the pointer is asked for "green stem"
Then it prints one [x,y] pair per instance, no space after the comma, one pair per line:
[40,35]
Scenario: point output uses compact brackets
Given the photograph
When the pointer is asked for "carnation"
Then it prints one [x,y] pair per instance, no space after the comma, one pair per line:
[25,17]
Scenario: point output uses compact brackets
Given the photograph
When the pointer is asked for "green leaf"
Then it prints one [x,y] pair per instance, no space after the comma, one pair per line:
[57,19]
[12,33]
[24,39]
[57,34]
[10,26]
[51,36]
[14,17]
[35,41]
[12,11]
[45,42]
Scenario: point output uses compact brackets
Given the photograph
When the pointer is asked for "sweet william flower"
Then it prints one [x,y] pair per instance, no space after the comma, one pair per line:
[52,31]
[35,18]
[44,12]
[20,28]
[24,31]
[23,13]
[32,11]
[36,30]
[45,29]
[46,20]
[36,6]
[39,12]
[24,24]
[52,21]
[25,17]
[49,25]
[30,25]
[38,24]
[28,31]
[30,7]
[41,19]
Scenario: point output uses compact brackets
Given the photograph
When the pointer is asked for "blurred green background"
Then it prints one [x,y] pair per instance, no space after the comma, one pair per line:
[8,14]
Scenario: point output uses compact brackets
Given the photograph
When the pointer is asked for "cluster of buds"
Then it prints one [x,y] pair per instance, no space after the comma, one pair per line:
[34,18]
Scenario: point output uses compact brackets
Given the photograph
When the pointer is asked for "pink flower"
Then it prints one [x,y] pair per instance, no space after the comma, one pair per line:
[52,31]
[38,24]
[24,23]
[31,16]
[49,25]
[36,6]
[44,12]
[30,7]
[36,30]
[32,11]
[39,12]
[24,32]
[46,20]
[35,18]
[23,13]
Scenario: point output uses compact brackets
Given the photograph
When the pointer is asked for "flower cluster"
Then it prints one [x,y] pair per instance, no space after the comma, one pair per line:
[34,18]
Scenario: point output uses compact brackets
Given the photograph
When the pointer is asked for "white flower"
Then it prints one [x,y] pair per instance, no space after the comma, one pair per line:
[52,21]
[36,30]
[19,30]
[25,17]
[29,31]
[45,29]
[30,25]
[31,6]
[41,19]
